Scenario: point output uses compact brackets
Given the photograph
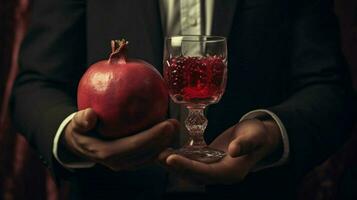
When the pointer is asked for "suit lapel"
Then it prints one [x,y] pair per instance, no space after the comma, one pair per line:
[223,15]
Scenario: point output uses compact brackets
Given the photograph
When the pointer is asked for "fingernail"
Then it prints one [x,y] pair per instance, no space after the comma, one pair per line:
[170,160]
[85,124]
[173,121]
[169,127]
[234,150]
[86,111]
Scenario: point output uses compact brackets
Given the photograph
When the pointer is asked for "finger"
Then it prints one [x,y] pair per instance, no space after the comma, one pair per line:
[151,141]
[194,170]
[163,156]
[93,148]
[156,138]
[75,148]
[84,120]
[219,143]
[246,142]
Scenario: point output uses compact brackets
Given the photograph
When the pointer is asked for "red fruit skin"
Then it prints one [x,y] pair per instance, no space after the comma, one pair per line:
[127,98]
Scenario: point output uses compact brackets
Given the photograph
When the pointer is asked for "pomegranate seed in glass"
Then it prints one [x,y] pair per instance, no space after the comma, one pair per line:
[195,70]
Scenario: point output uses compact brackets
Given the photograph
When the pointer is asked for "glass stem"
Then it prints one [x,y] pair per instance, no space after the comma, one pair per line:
[196,124]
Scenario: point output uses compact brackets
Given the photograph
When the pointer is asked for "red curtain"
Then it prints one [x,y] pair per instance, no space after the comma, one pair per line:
[22,176]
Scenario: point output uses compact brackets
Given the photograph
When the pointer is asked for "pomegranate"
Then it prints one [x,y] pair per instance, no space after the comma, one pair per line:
[128,95]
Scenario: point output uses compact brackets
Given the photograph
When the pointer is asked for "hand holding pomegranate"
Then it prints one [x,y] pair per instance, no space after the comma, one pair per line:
[125,153]
[123,100]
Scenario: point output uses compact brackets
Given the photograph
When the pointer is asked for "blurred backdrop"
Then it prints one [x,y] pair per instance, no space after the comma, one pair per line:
[22,175]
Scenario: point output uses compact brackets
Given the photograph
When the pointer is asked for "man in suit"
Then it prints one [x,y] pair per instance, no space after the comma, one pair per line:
[287,76]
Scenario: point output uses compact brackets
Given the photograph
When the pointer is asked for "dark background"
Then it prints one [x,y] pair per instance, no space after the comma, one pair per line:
[22,176]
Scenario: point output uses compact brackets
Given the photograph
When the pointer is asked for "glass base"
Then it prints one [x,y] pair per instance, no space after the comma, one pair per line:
[202,154]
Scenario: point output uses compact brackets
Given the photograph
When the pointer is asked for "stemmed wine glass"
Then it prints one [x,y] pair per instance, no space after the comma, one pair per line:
[195,70]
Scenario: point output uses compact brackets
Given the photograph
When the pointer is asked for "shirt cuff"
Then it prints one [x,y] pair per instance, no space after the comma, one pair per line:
[71,165]
[284,136]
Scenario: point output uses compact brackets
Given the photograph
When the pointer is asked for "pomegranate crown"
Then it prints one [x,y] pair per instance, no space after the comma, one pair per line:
[118,54]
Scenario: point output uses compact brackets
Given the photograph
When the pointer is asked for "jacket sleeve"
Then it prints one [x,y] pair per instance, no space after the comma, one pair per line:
[51,61]
[319,108]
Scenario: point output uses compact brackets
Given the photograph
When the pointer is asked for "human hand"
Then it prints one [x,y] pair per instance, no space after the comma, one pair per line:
[247,143]
[120,154]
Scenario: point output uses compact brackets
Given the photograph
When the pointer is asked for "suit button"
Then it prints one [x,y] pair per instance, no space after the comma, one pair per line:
[192,21]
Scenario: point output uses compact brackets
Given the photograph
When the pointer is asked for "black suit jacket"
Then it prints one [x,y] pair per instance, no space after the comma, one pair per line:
[284,56]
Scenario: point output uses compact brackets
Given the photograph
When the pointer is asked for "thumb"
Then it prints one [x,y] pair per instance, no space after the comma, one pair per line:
[246,142]
[84,120]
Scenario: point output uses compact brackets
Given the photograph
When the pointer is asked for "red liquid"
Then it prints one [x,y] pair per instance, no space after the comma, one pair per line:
[197,80]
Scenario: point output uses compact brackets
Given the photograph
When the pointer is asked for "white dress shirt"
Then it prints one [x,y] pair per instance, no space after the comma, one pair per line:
[183,17]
